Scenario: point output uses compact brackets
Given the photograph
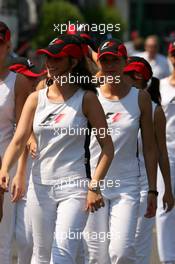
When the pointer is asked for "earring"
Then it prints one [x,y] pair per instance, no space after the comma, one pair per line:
[49,82]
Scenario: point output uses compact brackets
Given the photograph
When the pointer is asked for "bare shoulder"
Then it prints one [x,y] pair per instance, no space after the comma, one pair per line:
[90,96]
[32,99]
[91,103]
[41,85]
[23,87]
[22,82]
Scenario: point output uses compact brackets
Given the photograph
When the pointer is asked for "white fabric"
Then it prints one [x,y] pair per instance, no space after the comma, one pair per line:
[110,232]
[60,153]
[168,104]
[7,108]
[159,65]
[119,217]
[7,124]
[23,233]
[143,237]
[166,221]
[144,225]
[23,227]
[58,216]
[123,117]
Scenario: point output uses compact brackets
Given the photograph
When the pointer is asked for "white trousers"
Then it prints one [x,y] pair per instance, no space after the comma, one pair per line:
[165,223]
[23,226]
[58,220]
[144,231]
[8,222]
[110,232]
[7,230]
[23,233]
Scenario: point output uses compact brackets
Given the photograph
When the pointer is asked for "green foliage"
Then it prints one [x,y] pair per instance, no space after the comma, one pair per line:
[54,12]
[106,15]
[59,12]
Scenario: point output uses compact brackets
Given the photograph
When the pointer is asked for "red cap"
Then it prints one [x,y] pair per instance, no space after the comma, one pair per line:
[66,45]
[171,47]
[25,67]
[113,47]
[140,65]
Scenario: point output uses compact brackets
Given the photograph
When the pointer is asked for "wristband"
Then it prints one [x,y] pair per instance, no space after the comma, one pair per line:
[94,189]
[154,192]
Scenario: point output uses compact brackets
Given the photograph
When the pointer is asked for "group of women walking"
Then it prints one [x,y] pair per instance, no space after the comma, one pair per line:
[64,213]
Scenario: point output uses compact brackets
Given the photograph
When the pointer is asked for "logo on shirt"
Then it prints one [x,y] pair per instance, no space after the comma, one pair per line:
[52,119]
[114,117]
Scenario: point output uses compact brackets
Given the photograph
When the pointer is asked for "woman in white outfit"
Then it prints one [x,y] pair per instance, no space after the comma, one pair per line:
[14,90]
[165,222]
[110,233]
[23,228]
[140,73]
[57,195]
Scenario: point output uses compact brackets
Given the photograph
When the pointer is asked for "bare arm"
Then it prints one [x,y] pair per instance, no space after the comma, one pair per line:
[95,114]
[149,150]
[32,144]
[23,131]
[160,135]
[149,146]
[41,85]
[23,87]
[22,90]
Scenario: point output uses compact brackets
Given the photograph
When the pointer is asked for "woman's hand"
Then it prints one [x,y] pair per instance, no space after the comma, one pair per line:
[18,188]
[168,201]
[94,201]
[151,205]
[32,147]
[4,180]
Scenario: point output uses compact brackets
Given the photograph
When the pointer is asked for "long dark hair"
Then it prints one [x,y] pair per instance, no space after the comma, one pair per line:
[82,70]
[153,90]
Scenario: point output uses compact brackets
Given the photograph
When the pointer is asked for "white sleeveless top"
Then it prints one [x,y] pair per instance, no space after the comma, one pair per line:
[123,117]
[167,92]
[140,147]
[7,110]
[59,130]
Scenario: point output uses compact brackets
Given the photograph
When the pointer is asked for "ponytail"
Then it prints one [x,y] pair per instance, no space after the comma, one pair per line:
[153,90]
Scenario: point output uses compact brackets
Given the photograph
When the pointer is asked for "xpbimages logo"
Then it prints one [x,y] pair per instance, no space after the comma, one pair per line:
[72,79]
[102,28]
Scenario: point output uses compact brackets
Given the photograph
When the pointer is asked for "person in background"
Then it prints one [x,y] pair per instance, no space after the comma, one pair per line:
[157,61]
[140,73]
[165,222]
[14,90]
[126,109]
[23,229]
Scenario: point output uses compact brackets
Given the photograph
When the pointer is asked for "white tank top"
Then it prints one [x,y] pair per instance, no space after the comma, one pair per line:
[140,147]
[168,104]
[123,117]
[58,128]
[7,110]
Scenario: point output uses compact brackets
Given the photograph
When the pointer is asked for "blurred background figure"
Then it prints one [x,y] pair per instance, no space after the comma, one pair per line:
[136,44]
[157,61]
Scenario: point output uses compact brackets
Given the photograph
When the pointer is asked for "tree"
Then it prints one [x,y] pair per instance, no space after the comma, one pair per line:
[54,14]
[106,15]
